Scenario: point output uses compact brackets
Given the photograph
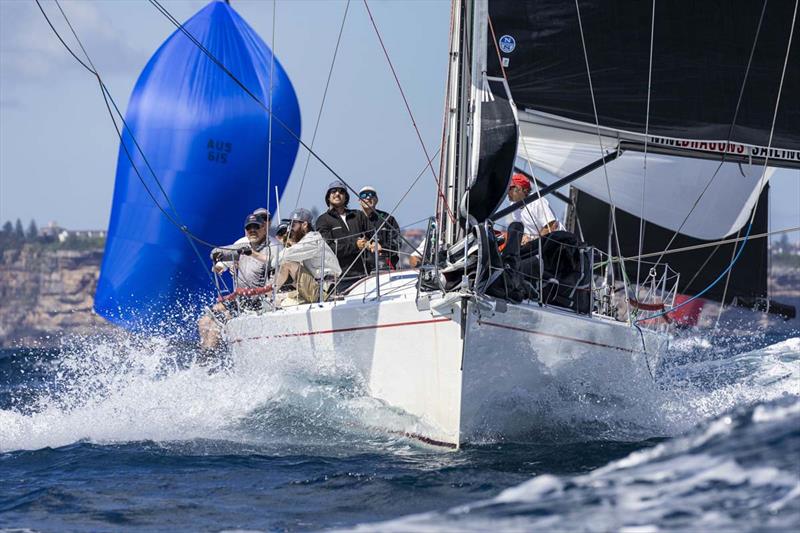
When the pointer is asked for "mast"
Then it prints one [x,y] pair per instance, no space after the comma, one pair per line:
[462,122]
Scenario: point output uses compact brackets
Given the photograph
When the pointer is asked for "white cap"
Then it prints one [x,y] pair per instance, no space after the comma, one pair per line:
[368,188]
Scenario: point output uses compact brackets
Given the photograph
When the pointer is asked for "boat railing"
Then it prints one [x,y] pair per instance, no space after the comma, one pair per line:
[643,301]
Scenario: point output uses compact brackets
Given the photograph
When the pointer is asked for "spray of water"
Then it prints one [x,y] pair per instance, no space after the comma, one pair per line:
[124,387]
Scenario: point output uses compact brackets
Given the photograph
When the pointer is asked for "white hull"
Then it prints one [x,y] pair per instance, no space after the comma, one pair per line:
[414,357]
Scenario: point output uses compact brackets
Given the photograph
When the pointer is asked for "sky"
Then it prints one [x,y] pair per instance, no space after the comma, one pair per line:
[58,148]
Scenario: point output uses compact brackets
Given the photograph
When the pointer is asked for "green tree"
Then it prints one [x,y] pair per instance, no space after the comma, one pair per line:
[19,233]
[8,228]
[33,230]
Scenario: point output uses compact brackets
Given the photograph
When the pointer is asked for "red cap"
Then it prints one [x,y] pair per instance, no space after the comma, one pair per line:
[520,181]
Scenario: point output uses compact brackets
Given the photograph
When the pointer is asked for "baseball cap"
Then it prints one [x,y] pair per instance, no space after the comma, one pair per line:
[520,181]
[300,214]
[253,219]
[367,189]
[262,212]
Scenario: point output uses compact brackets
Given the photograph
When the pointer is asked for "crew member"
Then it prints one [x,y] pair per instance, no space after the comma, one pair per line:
[537,217]
[307,260]
[254,255]
[252,258]
[346,231]
[385,230]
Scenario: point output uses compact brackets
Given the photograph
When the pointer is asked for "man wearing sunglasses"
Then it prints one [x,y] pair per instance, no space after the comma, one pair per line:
[385,230]
[254,254]
[346,231]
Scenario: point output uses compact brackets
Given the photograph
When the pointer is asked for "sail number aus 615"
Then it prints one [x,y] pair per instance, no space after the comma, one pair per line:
[218,150]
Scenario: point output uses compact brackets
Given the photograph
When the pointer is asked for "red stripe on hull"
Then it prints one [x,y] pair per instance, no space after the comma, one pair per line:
[343,330]
[556,336]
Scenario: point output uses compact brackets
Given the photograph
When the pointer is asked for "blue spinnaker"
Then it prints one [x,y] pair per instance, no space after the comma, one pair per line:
[206,141]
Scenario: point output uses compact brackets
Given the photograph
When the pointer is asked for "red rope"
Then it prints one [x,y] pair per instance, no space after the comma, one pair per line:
[244,292]
[410,114]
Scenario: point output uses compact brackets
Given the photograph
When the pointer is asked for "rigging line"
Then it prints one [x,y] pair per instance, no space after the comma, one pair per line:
[687,287]
[104,91]
[527,206]
[410,114]
[730,130]
[524,145]
[247,91]
[717,243]
[400,201]
[763,173]
[104,87]
[386,219]
[107,97]
[271,88]
[322,104]
[613,207]
[646,138]
[727,282]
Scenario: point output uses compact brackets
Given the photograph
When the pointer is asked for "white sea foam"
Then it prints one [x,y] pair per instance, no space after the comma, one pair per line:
[133,389]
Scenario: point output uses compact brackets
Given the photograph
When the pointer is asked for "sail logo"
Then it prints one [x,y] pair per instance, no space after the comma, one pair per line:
[218,150]
[507,44]
[731,148]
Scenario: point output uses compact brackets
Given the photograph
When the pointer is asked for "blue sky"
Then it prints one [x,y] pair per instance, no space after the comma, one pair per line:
[58,148]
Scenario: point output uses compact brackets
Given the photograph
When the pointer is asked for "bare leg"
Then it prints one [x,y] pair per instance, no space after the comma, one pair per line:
[307,286]
[210,330]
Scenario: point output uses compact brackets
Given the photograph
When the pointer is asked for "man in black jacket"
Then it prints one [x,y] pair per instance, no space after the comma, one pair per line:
[347,232]
[384,226]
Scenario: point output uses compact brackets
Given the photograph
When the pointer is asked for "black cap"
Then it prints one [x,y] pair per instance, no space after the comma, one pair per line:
[253,219]
[283,227]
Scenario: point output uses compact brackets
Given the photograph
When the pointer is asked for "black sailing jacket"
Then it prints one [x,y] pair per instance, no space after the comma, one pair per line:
[388,237]
[342,236]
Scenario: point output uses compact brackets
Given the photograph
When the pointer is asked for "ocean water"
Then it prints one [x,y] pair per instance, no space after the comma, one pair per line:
[128,433]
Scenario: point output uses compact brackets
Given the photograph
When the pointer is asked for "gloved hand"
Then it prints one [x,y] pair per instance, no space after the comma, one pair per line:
[245,250]
[216,254]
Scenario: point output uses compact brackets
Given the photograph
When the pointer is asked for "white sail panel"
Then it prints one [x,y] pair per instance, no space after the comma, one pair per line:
[672,184]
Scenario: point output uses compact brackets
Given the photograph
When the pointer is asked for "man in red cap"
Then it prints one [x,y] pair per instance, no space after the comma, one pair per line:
[537,217]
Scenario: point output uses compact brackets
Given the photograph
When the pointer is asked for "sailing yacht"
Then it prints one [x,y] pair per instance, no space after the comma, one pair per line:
[665,125]
[442,343]
[589,94]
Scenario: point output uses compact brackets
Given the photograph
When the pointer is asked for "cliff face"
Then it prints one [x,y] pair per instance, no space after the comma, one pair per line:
[47,293]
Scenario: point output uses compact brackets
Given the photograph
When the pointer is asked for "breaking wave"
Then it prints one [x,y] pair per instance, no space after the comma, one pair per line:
[737,471]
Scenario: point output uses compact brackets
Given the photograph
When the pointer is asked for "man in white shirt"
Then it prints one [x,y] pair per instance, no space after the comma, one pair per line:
[306,260]
[536,217]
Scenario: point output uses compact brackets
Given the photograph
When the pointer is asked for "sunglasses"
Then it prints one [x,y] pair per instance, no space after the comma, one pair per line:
[368,194]
[338,191]
[252,227]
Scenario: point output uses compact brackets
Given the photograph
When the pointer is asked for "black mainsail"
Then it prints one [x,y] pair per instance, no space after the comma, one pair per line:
[701,100]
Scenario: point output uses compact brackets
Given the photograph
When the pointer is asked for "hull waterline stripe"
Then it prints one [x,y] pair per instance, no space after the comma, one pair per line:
[343,330]
[425,440]
[556,336]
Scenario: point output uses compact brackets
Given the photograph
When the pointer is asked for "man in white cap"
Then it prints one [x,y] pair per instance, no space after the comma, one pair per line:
[385,230]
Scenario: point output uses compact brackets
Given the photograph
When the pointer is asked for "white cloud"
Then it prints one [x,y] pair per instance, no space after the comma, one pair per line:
[30,52]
